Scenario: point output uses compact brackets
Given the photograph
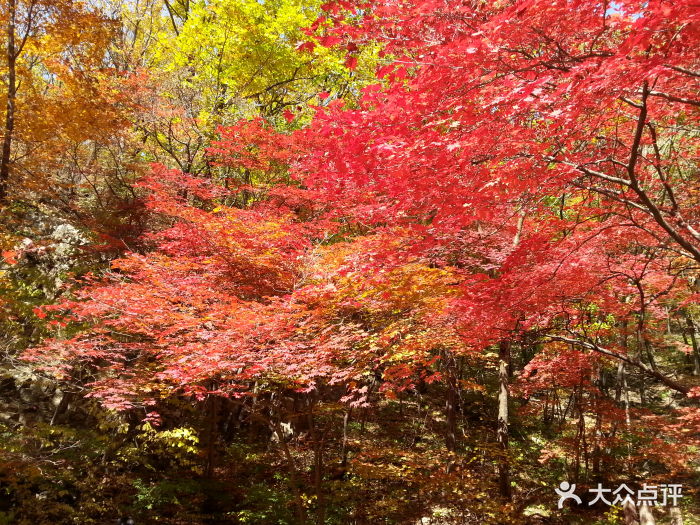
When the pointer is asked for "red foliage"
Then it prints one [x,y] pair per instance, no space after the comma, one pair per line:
[512,174]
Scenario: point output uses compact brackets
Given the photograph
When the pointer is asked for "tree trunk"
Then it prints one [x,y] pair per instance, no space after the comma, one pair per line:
[597,438]
[344,446]
[646,516]
[317,440]
[294,480]
[630,512]
[11,95]
[502,421]
[622,392]
[675,515]
[211,408]
[694,341]
[451,406]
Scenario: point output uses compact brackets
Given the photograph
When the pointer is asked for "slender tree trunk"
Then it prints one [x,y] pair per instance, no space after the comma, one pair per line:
[622,381]
[212,407]
[645,349]
[646,516]
[597,438]
[675,515]
[11,95]
[317,439]
[62,408]
[233,420]
[694,341]
[504,374]
[451,405]
[502,421]
[344,446]
[621,391]
[630,512]
[294,479]
[581,445]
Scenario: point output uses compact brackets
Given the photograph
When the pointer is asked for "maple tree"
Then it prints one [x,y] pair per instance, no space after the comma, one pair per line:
[554,133]
[58,93]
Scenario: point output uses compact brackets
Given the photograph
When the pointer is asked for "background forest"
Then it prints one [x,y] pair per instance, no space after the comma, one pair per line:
[355,262]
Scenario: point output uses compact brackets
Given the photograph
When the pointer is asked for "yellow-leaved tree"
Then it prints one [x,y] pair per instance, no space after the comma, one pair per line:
[196,65]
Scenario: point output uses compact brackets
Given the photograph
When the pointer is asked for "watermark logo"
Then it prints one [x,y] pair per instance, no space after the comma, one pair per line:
[662,495]
[565,492]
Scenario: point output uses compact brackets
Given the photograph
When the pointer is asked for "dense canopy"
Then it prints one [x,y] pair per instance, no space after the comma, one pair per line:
[386,261]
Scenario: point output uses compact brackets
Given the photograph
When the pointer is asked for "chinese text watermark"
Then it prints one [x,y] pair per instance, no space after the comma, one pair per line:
[662,495]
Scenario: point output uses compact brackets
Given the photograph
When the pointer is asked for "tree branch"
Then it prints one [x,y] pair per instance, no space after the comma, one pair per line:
[669,382]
